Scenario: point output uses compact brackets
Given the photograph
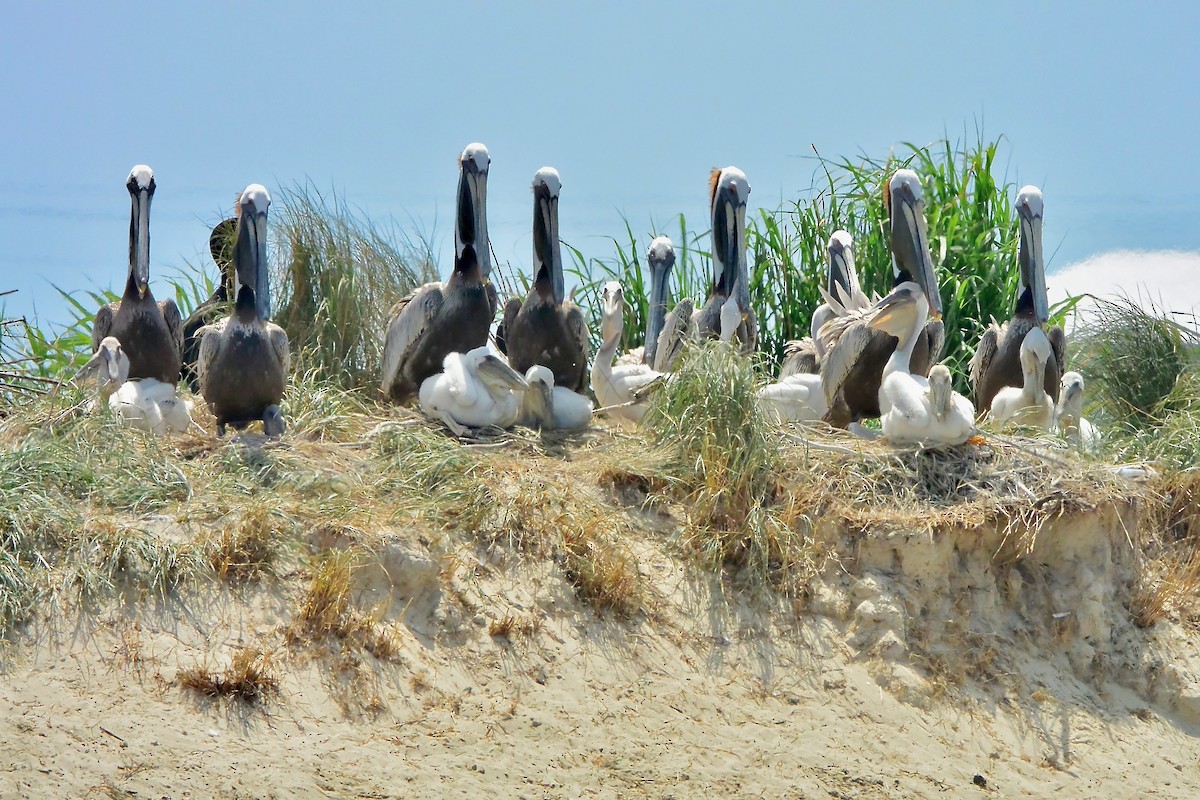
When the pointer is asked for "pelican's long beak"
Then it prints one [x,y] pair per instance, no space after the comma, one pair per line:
[496,371]
[910,239]
[841,267]
[139,237]
[1029,253]
[251,248]
[471,217]
[547,252]
[729,239]
[895,307]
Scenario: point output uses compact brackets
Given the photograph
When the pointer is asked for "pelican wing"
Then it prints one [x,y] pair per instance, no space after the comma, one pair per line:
[852,339]
[211,340]
[511,309]
[278,338]
[982,359]
[799,358]
[102,325]
[171,316]
[577,329]
[410,319]
[677,329]
[1058,343]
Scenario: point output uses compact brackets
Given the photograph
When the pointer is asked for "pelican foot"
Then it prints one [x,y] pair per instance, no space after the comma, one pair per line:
[451,423]
[273,423]
[862,431]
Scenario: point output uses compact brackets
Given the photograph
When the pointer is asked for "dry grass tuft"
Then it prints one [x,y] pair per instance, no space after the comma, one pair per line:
[326,610]
[248,550]
[250,678]
[1169,582]
[513,626]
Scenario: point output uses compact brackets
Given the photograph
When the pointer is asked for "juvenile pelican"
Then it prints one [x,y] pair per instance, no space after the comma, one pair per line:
[220,244]
[803,356]
[916,409]
[109,366]
[551,407]
[440,318]
[997,361]
[149,332]
[1028,405]
[546,328]
[728,193]
[618,388]
[475,389]
[796,398]
[857,352]
[1068,416]
[244,359]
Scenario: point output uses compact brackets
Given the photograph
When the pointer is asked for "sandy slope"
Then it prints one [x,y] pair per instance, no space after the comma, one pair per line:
[917,664]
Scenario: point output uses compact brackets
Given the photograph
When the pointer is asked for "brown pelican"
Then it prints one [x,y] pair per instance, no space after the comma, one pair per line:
[476,388]
[728,193]
[441,318]
[220,244]
[803,356]
[1068,415]
[1029,404]
[551,407]
[660,257]
[546,328]
[244,359]
[997,361]
[149,332]
[856,352]
[916,409]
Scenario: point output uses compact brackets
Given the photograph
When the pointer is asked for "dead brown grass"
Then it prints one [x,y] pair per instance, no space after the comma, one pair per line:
[249,549]
[1169,582]
[515,626]
[326,610]
[250,678]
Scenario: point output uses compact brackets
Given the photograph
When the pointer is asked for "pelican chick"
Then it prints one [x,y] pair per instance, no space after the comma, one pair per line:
[109,366]
[551,407]
[546,327]
[914,409]
[149,331]
[442,318]
[618,388]
[244,358]
[1068,415]
[1028,405]
[797,398]
[151,405]
[474,389]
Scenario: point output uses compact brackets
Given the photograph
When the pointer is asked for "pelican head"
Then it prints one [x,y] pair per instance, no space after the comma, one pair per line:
[493,370]
[1070,401]
[250,248]
[899,313]
[941,390]
[109,364]
[220,245]
[140,184]
[728,193]
[470,224]
[911,260]
[841,263]
[661,258]
[539,397]
[612,308]
[1032,292]
[547,253]
[1035,352]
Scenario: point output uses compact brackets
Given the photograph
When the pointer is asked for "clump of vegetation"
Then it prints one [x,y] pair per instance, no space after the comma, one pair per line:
[249,548]
[326,609]
[251,678]
[339,275]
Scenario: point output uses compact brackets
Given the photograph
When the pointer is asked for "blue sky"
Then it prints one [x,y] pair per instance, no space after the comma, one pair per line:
[632,103]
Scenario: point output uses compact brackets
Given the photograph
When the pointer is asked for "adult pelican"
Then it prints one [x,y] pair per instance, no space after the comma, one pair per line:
[803,356]
[856,352]
[997,361]
[220,244]
[244,359]
[149,331]
[727,196]
[546,328]
[452,317]
[661,258]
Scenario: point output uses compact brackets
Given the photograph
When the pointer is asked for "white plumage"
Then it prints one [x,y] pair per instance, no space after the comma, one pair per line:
[151,405]
[476,389]
[545,405]
[1028,405]
[796,398]
[617,388]
[1068,416]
